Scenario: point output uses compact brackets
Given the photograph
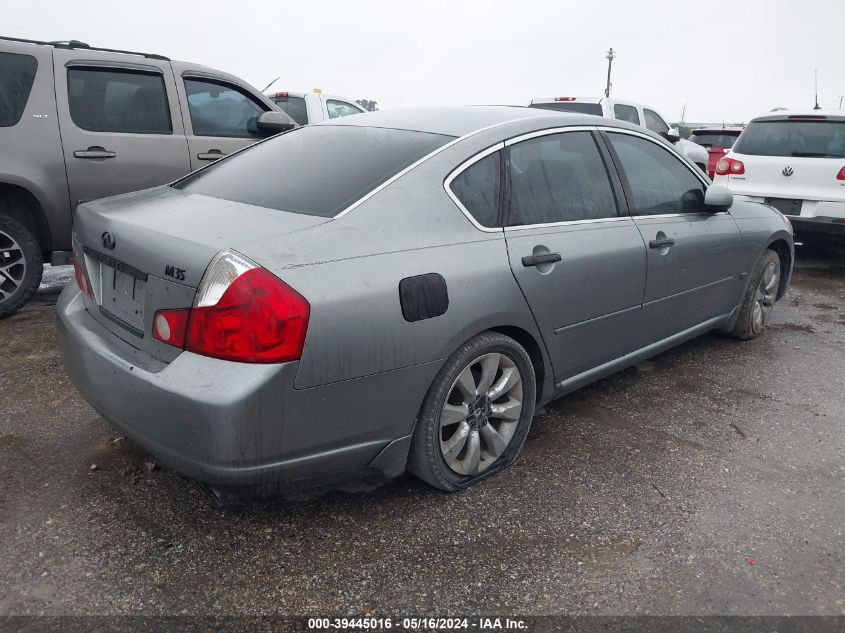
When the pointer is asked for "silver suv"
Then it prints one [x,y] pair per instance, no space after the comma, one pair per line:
[79,123]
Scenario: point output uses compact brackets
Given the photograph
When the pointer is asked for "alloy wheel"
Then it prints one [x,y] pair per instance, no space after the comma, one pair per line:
[764,297]
[12,266]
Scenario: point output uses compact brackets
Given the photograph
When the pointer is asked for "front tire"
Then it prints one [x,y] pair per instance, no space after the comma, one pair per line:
[21,266]
[476,415]
[759,298]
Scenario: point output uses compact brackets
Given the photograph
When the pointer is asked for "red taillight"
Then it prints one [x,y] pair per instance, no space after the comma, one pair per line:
[281,95]
[841,174]
[727,166]
[258,319]
[171,326]
[564,98]
[82,278]
[807,117]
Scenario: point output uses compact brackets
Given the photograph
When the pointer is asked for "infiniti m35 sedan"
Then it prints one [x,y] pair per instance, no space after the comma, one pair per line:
[399,290]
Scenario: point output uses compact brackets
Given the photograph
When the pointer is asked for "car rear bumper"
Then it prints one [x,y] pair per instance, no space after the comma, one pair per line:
[818,227]
[239,424]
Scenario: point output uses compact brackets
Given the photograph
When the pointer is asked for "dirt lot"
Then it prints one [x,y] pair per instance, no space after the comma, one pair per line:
[708,480]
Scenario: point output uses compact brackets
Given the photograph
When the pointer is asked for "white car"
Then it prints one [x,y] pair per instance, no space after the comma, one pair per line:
[795,162]
[313,107]
[630,111]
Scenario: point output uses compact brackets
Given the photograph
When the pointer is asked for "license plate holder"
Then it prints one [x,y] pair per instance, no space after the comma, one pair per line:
[123,297]
[787,206]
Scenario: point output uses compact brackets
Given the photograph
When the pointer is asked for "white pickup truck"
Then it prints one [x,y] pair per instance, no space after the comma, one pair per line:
[630,111]
[313,107]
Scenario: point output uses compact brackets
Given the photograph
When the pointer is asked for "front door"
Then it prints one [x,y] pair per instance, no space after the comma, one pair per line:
[579,261]
[694,256]
[120,125]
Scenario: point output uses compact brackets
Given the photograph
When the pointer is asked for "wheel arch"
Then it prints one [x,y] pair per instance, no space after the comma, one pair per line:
[21,204]
[535,352]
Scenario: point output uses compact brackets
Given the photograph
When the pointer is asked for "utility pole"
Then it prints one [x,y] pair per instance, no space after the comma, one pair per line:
[817,107]
[609,57]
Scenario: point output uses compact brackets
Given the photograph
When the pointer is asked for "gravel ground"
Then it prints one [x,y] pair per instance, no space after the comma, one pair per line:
[707,480]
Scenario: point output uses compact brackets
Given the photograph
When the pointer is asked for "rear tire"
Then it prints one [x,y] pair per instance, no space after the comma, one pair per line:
[759,298]
[21,266]
[476,415]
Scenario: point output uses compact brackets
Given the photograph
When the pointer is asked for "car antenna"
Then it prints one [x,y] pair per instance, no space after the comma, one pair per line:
[817,107]
[271,83]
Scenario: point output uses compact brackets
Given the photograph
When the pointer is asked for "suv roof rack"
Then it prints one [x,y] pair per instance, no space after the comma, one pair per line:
[72,44]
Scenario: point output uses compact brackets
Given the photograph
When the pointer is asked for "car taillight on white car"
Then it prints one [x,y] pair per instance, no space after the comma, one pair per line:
[727,166]
[241,312]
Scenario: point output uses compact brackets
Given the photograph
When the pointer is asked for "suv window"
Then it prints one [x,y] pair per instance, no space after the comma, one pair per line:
[477,187]
[659,182]
[294,107]
[714,139]
[315,170]
[654,122]
[813,139]
[127,101]
[17,72]
[569,106]
[338,109]
[558,178]
[219,109]
[626,113]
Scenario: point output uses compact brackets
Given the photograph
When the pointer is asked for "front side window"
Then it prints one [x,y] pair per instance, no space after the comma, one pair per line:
[559,178]
[477,187]
[626,113]
[807,138]
[654,122]
[17,73]
[338,109]
[659,182]
[314,170]
[294,107]
[218,109]
[123,101]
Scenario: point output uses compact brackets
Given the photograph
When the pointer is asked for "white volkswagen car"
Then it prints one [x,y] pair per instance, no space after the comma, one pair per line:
[795,162]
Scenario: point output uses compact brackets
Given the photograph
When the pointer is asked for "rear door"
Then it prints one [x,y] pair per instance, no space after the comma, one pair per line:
[694,256]
[579,261]
[220,114]
[120,123]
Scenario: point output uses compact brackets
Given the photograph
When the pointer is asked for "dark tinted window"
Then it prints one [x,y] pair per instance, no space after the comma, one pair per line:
[558,178]
[218,109]
[340,108]
[714,139]
[477,187]
[315,170]
[659,182]
[653,121]
[105,100]
[626,113]
[824,139]
[295,108]
[571,106]
[17,72]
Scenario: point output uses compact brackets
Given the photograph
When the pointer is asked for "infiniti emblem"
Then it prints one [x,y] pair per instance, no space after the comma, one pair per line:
[788,171]
[108,241]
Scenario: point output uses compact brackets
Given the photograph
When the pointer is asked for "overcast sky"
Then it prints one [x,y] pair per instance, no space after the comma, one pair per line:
[725,60]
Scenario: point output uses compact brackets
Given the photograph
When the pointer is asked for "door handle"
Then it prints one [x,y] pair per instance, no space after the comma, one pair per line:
[95,151]
[545,258]
[213,154]
[664,242]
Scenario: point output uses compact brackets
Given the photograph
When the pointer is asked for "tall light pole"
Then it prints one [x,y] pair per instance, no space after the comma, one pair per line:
[609,57]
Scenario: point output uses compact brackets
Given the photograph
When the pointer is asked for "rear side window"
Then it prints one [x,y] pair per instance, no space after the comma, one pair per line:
[294,107]
[106,100]
[571,106]
[17,72]
[315,170]
[659,182]
[218,109]
[477,187]
[654,122]
[626,113]
[338,109]
[714,139]
[819,139]
[559,178]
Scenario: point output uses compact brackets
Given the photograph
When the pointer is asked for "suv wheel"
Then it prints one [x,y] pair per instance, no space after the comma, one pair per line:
[21,266]
[476,415]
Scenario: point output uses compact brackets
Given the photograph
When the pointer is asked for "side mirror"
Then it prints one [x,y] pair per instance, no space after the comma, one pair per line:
[673,135]
[270,123]
[717,198]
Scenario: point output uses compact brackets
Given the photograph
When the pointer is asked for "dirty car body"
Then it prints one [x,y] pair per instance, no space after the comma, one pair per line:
[395,238]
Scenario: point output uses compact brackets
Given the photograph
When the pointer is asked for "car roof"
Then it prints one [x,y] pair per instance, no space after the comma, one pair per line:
[454,120]
[784,115]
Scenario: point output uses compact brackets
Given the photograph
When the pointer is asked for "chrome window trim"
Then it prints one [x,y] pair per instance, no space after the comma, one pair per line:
[568,223]
[554,130]
[677,215]
[460,169]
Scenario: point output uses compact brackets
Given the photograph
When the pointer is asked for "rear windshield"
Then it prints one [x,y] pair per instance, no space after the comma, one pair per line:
[17,72]
[714,139]
[315,170]
[819,139]
[295,108]
[570,106]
